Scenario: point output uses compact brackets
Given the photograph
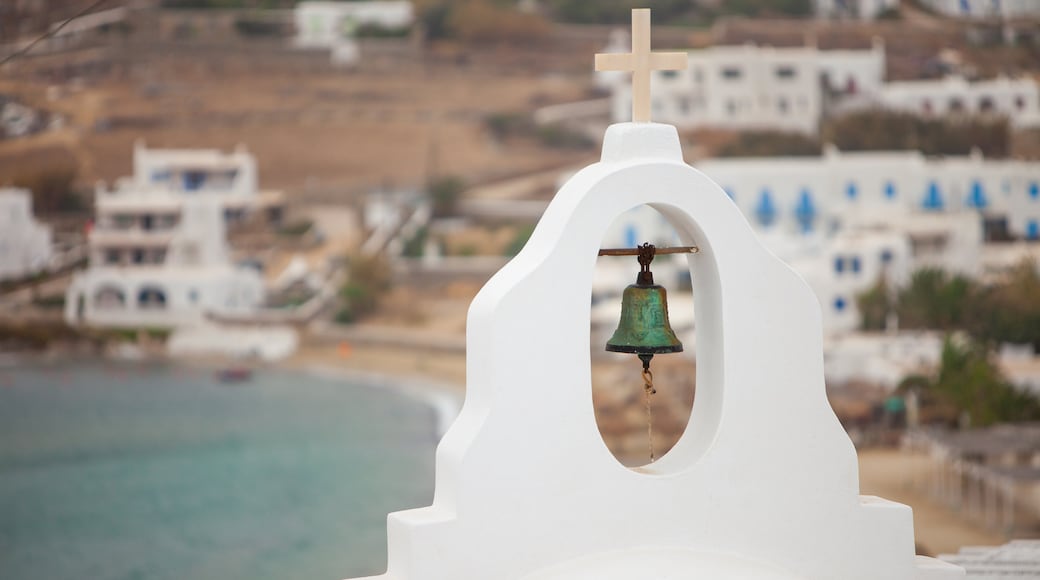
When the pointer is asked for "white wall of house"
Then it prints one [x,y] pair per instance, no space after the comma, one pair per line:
[854,9]
[25,244]
[752,87]
[204,171]
[329,24]
[165,274]
[843,219]
[1003,9]
[1017,99]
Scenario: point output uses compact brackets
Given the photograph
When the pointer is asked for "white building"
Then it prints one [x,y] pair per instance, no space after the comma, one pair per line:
[231,178]
[845,219]
[1017,99]
[752,87]
[158,250]
[992,9]
[853,9]
[334,25]
[25,244]
[791,89]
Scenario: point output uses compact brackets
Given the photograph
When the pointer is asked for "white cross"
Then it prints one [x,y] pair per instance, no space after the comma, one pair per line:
[641,62]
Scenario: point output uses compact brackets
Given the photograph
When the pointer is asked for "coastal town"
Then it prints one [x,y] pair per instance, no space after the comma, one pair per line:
[251,187]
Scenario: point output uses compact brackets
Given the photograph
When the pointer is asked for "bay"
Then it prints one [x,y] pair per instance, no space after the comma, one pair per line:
[155,472]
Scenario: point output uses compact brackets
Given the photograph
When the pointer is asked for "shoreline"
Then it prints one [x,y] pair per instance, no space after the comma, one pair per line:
[445,401]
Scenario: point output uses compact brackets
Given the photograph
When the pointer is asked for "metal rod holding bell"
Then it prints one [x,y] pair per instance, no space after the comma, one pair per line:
[657,251]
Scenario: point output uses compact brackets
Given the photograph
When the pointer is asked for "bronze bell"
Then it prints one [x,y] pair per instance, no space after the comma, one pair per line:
[644,328]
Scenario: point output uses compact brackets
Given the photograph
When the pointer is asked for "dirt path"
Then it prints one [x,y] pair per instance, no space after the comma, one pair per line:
[899,476]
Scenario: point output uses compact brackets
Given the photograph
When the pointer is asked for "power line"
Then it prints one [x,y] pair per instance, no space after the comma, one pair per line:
[49,33]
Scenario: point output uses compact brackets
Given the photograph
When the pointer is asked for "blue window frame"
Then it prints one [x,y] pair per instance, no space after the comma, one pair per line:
[851,190]
[977,196]
[933,198]
[1034,190]
[766,209]
[805,211]
[839,264]
[890,190]
[854,264]
[1033,230]
[886,256]
[631,237]
[839,304]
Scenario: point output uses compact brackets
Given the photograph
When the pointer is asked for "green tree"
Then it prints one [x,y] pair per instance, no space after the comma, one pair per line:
[874,306]
[1010,309]
[369,278]
[770,144]
[889,130]
[968,381]
[936,300]
[444,195]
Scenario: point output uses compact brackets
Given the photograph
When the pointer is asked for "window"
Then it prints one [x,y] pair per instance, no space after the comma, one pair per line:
[886,256]
[684,105]
[781,105]
[766,209]
[986,105]
[956,105]
[193,296]
[851,191]
[731,108]
[1033,230]
[1020,102]
[839,304]
[786,72]
[194,180]
[855,264]
[138,256]
[1034,190]
[112,256]
[151,298]
[839,265]
[123,221]
[669,74]
[890,190]
[732,73]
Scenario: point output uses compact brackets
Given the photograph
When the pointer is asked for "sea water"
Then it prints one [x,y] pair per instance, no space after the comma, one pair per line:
[154,472]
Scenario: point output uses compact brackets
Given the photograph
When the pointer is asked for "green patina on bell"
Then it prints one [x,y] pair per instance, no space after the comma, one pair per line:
[644,328]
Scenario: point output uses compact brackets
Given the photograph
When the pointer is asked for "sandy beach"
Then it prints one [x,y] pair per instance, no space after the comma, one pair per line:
[889,473]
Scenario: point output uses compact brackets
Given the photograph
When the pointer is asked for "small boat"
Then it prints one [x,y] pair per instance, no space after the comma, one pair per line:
[234,375]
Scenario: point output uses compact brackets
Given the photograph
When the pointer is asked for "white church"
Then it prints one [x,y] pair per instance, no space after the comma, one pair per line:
[25,243]
[159,255]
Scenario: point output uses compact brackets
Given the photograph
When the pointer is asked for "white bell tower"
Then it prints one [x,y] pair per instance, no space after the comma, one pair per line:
[764,482]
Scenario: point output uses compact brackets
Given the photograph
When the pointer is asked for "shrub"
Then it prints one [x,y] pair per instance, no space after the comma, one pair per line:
[368,280]
[769,144]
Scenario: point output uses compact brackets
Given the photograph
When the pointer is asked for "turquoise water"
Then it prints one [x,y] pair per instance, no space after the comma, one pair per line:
[146,472]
